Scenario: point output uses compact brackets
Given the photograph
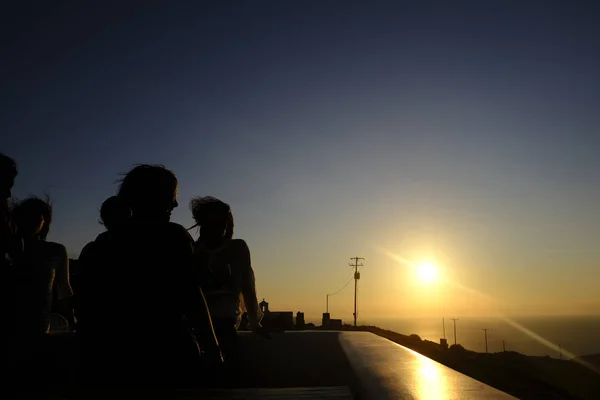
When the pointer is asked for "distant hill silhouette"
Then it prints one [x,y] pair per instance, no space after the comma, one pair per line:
[526,377]
[593,359]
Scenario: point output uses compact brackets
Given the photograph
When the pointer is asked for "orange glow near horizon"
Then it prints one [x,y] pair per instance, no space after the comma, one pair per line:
[426,272]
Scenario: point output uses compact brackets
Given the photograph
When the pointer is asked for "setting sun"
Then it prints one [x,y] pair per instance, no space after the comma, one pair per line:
[427,272]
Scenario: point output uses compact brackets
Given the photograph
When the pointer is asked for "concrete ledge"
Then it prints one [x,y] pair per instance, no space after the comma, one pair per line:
[387,370]
[292,359]
[314,393]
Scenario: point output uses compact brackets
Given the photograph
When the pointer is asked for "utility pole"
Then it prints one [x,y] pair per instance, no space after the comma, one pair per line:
[454,320]
[444,327]
[560,347]
[485,332]
[503,346]
[327,304]
[356,278]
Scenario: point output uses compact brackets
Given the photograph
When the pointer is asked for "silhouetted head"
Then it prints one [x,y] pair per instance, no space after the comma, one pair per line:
[114,212]
[33,217]
[213,216]
[150,192]
[8,173]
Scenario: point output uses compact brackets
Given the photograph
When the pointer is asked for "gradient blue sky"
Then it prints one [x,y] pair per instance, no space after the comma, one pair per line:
[467,133]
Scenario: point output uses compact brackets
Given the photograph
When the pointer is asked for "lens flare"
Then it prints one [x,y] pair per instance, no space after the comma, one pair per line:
[426,271]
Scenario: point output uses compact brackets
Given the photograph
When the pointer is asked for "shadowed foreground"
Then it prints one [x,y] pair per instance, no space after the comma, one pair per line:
[310,364]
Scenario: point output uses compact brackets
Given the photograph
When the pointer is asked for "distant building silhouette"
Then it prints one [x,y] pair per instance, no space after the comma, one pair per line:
[326,319]
[276,321]
[300,321]
[328,323]
[335,325]
[444,343]
[264,306]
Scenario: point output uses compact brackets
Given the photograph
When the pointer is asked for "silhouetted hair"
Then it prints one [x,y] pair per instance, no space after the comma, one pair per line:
[203,207]
[8,166]
[145,184]
[114,211]
[229,230]
[35,207]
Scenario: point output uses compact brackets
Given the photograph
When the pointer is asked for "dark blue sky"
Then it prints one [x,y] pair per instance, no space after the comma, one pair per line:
[476,121]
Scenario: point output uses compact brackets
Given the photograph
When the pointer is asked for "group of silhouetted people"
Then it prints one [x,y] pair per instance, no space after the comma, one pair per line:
[152,307]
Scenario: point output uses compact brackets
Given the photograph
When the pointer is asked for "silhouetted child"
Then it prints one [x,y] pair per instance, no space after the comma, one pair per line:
[139,300]
[114,212]
[224,272]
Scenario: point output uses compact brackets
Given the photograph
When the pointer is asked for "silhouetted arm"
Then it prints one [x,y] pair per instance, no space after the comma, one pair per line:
[86,251]
[248,285]
[191,299]
[11,245]
[62,283]
[61,267]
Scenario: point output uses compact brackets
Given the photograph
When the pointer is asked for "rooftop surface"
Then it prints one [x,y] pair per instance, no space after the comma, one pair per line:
[328,365]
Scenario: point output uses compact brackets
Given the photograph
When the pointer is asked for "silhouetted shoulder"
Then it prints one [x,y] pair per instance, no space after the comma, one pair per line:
[56,250]
[103,236]
[178,232]
[102,239]
[239,245]
[240,251]
[87,249]
[178,229]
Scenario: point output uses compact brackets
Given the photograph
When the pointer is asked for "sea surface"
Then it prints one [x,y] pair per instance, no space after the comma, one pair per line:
[537,336]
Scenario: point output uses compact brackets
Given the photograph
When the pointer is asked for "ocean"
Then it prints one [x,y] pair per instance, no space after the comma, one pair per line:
[572,336]
[538,336]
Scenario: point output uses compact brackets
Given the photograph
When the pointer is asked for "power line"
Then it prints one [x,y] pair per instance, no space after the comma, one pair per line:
[344,287]
[334,293]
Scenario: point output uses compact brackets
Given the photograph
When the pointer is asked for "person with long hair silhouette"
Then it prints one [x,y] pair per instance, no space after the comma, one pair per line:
[38,277]
[141,310]
[41,268]
[224,271]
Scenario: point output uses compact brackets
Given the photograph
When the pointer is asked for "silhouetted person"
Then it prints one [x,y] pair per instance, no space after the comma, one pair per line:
[114,213]
[41,268]
[8,173]
[224,272]
[39,272]
[140,306]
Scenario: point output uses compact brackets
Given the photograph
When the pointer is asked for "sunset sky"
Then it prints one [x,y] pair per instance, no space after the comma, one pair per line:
[465,134]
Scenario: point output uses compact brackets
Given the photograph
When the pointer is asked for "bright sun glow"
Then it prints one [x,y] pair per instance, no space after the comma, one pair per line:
[427,272]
